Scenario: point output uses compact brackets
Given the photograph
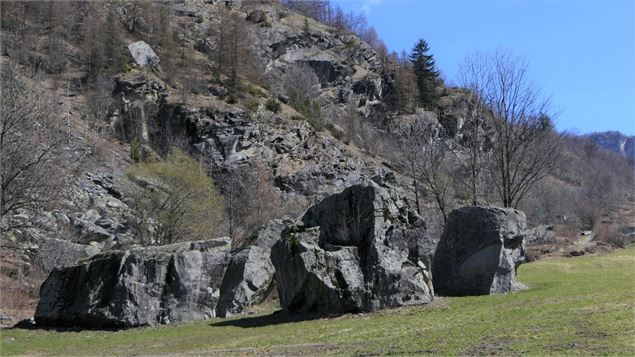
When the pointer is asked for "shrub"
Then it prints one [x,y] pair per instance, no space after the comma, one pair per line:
[232,99]
[294,240]
[135,150]
[253,90]
[175,200]
[252,105]
[125,66]
[313,114]
[273,105]
[316,122]
[610,233]
[337,134]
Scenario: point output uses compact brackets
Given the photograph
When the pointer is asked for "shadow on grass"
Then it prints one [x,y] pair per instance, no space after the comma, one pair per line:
[28,324]
[276,318]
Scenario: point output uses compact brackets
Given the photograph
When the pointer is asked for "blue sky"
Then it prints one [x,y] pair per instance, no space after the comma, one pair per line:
[582,52]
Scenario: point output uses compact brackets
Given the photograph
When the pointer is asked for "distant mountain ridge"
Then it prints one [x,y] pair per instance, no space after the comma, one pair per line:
[615,141]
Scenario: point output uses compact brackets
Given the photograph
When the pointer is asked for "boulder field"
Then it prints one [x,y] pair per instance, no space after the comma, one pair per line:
[362,249]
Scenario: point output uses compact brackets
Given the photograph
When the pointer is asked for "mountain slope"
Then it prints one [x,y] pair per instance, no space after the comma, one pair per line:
[616,142]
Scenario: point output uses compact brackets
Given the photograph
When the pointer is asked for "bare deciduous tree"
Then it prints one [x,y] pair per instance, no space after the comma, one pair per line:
[400,96]
[250,200]
[30,137]
[474,77]
[525,146]
[301,83]
[169,46]
[425,155]
[407,143]
[353,124]
[233,53]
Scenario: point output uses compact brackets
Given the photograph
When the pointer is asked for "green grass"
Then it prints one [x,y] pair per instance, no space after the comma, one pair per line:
[579,305]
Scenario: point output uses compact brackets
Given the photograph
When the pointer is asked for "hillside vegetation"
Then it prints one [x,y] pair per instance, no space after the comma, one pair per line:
[575,306]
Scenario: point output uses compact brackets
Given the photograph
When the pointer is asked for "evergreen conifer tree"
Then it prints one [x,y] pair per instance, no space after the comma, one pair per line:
[425,72]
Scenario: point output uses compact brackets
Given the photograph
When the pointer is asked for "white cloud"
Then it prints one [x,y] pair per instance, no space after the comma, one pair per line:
[368,4]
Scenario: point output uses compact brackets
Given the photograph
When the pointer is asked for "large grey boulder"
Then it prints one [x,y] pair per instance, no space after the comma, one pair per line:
[178,282]
[359,250]
[250,275]
[479,251]
[143,54]
[542,234]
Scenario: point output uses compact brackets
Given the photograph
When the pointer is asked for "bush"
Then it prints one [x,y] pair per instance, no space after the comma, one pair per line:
[253,90]
[175,200]
[125,66]
[316,122]
[273,105]
[135,150]
[337,134]
[252,105]
[232,99]
[611,233]
[313,114]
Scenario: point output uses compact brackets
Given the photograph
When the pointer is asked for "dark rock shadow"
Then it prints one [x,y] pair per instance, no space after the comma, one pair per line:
[28,324]
[276,318]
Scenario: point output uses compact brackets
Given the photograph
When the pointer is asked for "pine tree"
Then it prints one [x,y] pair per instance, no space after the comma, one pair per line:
[424,70]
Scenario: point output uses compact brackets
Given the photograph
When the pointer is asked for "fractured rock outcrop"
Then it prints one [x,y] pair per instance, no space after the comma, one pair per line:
[177,282]
[479,251]
[250,275]
[359,250]
[543,234]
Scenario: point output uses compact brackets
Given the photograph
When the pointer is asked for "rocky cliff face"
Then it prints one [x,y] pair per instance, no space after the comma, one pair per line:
[301,160]
[348,69]
[616,142]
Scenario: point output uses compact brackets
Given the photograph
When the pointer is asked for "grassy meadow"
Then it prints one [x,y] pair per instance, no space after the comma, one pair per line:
[581,305]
